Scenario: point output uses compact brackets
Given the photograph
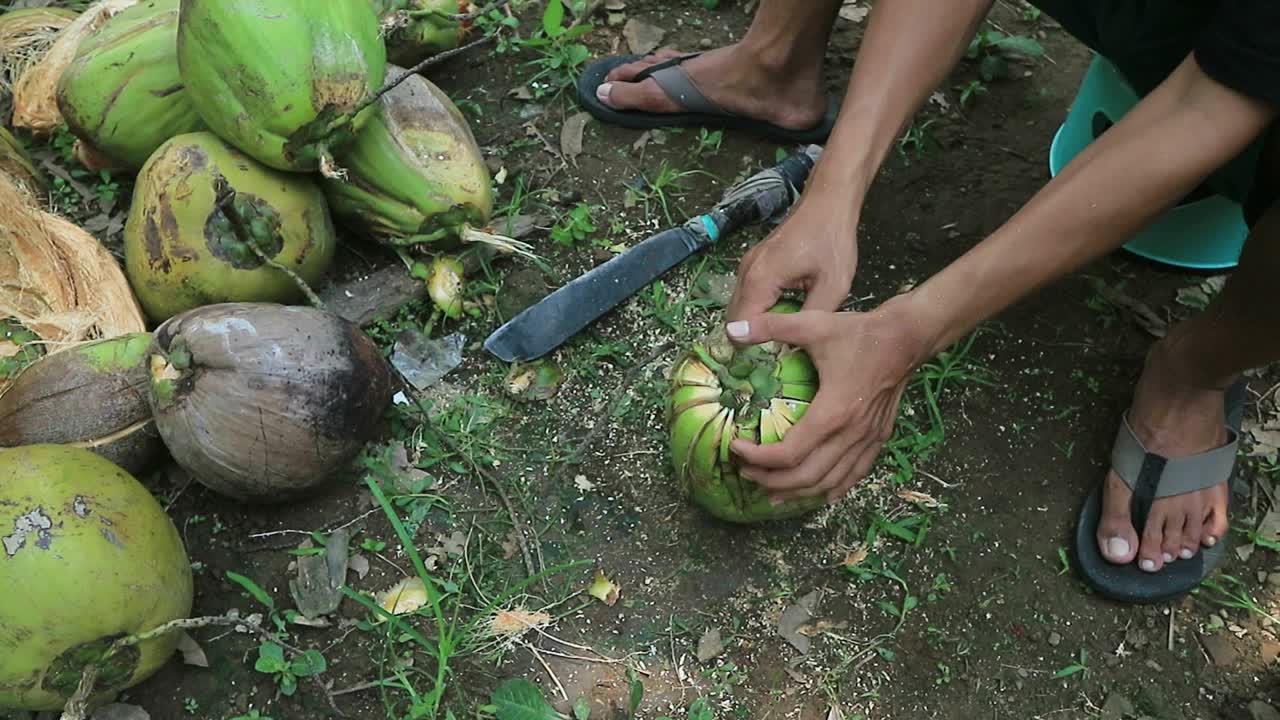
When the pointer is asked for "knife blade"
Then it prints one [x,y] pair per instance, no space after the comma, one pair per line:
[555,319]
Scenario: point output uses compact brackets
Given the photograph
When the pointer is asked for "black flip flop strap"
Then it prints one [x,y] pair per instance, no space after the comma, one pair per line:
[676,83]
[1152,476]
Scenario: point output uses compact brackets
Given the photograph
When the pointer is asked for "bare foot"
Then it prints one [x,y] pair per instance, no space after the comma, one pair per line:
[731,77]
[1174,419]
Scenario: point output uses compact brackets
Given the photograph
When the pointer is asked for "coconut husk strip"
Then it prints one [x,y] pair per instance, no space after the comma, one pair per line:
[35,101]
[25,35]
[56,279]
[15,162]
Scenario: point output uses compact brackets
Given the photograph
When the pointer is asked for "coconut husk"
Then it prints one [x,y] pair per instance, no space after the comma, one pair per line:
[25,36]
[56,279]
[15,162]
[35,101]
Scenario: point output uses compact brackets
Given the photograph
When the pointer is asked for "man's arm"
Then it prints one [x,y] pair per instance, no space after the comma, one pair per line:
[909,48]
[1179,134]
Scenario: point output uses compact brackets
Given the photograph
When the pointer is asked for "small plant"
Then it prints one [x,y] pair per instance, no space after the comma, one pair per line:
[252,715]
[191,705]
[1031,14]
[944,674]
[919,140]
[107,189]
[988,49]
[575,226]
[1064,564]
[559,57]
[708,143]
[271,661]
[969,91]
[1079,666]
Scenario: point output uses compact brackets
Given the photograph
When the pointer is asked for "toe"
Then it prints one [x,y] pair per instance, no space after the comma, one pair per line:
[635,96]
[1151,548]
[1215,523]
[1174,527]
[624,73]
[1192,531]
[1116,538]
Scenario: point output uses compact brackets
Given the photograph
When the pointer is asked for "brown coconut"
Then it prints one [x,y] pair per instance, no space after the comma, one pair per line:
[56,279]
[93,396]
[25,35]
[35,94]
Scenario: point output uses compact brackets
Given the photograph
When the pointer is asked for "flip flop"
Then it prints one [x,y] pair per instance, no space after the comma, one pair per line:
[699,111]
[1153,476]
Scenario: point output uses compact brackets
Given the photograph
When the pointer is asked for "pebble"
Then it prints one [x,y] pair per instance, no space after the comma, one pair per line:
[1262,576]
[1274,579]
[1259,710]
[705,43]
[1116,707]
[1220,650]
[1055,639]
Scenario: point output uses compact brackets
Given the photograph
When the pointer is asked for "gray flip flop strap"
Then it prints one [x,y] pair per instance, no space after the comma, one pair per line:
[678,86]
[1152,476]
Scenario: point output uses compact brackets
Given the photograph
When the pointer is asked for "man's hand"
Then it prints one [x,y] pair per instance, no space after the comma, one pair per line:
[864,361]
[813,250]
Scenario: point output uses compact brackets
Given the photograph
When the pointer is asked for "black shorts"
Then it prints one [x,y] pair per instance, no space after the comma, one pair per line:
[1146,40]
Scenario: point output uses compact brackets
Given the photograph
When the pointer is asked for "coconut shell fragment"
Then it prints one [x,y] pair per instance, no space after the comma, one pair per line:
[265,402]
[92,396]
[57,280]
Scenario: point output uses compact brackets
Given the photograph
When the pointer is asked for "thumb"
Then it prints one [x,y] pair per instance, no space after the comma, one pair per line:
[826,294]
[752,296]
[800,328]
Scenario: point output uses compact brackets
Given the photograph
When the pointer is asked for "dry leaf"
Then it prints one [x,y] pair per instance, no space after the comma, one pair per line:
[835,713]
[642,37]
[583,484]
[1265,441]
[455,544]
[1140,312]
[710,646]
[855,556]
[359,564]
[571,136]
[512,624]
[520,93]
[192,654]
[641,141]
[795,617]
[918,498]
[604,589]
[406,596]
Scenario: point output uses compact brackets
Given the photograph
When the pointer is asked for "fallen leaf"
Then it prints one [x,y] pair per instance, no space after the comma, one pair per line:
[940,99]
[716,288]
[918,498]
[406,596]
[582,483]
[97,223]
[614,19]
[455,544]
[795,617]
[710,646]
[192,654]
[1265,441]
[642,37]
[1269,527]
[571,136]
[604,589]
[311,622]
[536,381]
[316,587]
[520,93]
[120,711]
[9,348]
[359,564]
[510,624]
[855,556]
[510,546]
[501,176]
[853,12]
[1140,312]
[641,141]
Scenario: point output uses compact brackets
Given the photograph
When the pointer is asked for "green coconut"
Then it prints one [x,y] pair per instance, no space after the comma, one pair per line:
[87,556]
[92,396]
[721,392]
[123,94]
[417,29]
[200,207]
[415,173]
[282,79]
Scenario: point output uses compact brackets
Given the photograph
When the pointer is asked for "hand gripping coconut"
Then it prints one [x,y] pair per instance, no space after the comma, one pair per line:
[263,402]
[720,392]
[87,557]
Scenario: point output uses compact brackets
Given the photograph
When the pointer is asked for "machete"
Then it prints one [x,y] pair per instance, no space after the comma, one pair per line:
[546,325]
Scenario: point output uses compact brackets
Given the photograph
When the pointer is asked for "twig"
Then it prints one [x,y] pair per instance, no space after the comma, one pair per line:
[433,60]
[547,667]
[628,382]
[937,479]
[225,197]
[177,495]
[283,545]
[358,687]
[1173,611]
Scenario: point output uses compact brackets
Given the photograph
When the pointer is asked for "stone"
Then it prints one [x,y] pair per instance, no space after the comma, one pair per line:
[1220,650]
[1259,710]
[1273,579]
[1116,707]
[706,44]
[1055,639]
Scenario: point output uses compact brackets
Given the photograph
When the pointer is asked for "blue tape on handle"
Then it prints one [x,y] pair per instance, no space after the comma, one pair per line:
[713,230]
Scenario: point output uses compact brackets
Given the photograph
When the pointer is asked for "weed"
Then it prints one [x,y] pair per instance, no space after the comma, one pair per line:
[1081,665]
[1064,564]
[559,57]
[944,674]
[191,705]
[1231,592]
[918,140]
[1031,13]
[658,190]
[988,48]
[708,143]
[252,715]
[575,226]
[271,661]
[971,90]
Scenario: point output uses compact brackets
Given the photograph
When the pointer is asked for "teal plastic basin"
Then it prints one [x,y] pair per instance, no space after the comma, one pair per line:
[1204,234]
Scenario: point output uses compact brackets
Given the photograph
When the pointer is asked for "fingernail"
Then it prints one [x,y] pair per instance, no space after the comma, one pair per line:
[1148,565]
[1211,541]
[1168,557]
[738,329]
[1118,547]
[1187,553]
[602,92]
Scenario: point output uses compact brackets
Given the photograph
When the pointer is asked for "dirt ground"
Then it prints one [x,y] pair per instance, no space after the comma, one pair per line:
[994,629]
